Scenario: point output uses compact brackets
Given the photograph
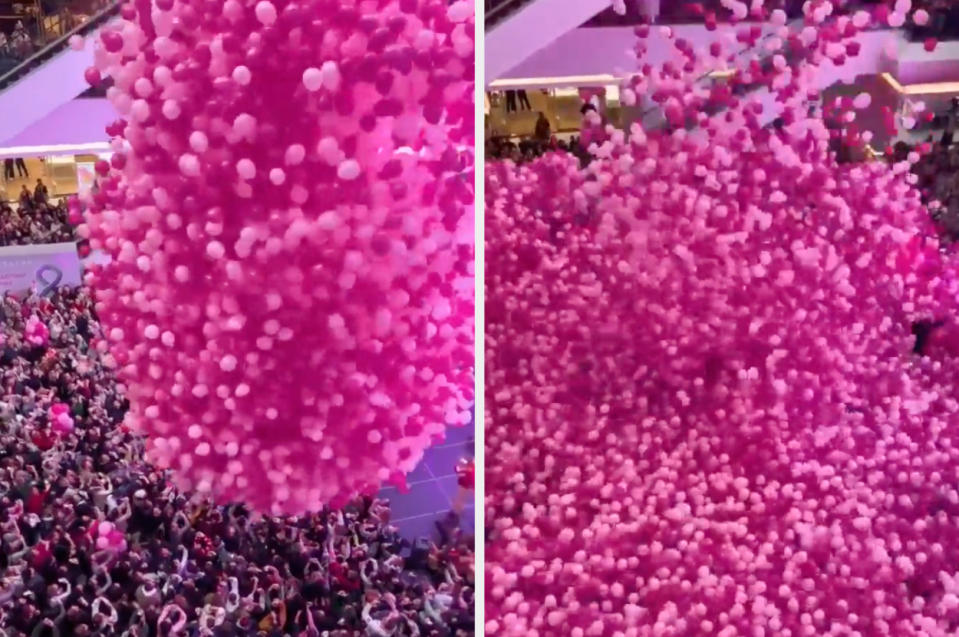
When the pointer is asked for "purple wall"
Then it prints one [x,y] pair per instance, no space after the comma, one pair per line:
[533,27]
[37,94]
[917,65]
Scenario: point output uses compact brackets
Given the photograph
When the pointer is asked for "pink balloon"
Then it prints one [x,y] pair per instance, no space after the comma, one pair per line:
[36,331]
[722,367]
[92,76]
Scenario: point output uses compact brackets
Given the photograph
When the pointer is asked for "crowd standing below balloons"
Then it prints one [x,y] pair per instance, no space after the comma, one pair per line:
[707,407]
[93,541]
[528,149]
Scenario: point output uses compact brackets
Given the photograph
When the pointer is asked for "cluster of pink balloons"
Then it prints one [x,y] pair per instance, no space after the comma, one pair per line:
[704,411]
[60,419]
[289,210]
[36,331]
[108,537]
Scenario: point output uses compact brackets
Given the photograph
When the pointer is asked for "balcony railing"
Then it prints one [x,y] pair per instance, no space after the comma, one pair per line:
[40,30]
[499,10]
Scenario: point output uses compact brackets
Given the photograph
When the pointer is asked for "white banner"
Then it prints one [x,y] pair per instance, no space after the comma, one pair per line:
[41,268]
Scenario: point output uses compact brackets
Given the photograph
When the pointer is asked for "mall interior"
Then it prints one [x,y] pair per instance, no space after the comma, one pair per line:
[570,56]
[54,130]
[548,63]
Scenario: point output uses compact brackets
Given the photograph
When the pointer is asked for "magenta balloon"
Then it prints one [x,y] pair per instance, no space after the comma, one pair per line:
[92,76]
[112,40]
[292,327]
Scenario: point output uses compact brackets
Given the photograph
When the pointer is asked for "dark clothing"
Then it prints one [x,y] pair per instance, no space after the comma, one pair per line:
[83,327]
[510,102]
[511,99]
[543,129]
[524,100]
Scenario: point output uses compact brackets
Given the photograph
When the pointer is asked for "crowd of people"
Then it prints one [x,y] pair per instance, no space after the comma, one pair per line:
[35,220]
[24,34]
[527,149]
[938,180]
[95,541]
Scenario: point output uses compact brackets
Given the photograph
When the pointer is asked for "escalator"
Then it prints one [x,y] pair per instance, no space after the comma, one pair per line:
[38,78]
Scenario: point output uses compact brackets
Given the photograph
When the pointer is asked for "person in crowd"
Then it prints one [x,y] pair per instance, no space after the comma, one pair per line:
[40,193]
[26,199]
[22,168]
[466,482]
[543,128]
[523,100]
[511,101]
[20,41]
[8,173]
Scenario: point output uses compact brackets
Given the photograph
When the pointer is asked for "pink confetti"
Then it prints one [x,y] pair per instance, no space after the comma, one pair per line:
[291,298]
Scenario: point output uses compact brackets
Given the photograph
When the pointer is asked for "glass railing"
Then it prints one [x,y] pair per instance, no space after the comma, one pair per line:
[34,32]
